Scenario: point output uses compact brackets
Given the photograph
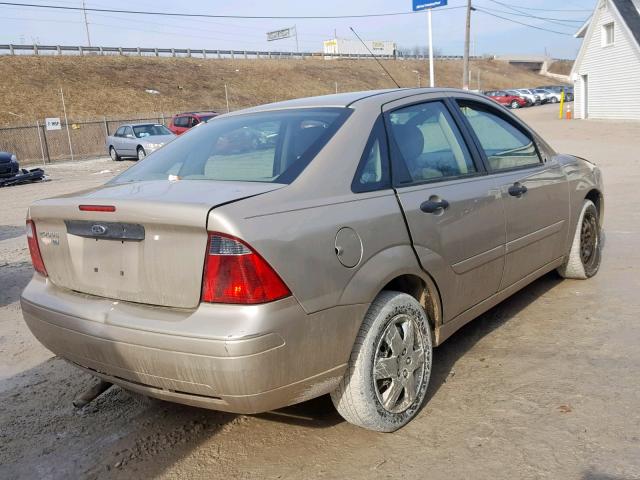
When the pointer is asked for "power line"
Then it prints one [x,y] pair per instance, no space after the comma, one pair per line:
[522,23]
[206,15]
[525,14]
[547,9]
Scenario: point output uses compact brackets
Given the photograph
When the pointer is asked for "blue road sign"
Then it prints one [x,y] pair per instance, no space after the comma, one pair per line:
[427,4]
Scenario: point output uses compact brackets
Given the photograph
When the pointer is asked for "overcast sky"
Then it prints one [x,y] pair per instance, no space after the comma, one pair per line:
[491,35]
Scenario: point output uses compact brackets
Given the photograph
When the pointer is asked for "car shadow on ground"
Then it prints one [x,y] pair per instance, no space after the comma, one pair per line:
[13,278]
[446,355]
[10,231]
[117,433]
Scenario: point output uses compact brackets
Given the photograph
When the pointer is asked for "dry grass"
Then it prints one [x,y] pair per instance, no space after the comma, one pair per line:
[561,67]
[115,86]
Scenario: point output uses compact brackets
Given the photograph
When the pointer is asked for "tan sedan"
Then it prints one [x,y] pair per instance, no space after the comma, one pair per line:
[327,252]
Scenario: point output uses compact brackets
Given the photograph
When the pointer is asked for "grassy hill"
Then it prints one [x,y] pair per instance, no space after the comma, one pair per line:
[115,86]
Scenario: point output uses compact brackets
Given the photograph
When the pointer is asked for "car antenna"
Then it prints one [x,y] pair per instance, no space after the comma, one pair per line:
[375,58]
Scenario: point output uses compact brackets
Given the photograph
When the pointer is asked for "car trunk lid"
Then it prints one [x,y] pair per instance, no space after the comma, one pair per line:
[149,249]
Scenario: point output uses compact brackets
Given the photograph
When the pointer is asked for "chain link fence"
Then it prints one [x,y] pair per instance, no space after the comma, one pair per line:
[34,144]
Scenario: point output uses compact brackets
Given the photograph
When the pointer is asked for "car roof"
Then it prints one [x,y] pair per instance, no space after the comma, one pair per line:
[350,99]
[208,112]
[139,124]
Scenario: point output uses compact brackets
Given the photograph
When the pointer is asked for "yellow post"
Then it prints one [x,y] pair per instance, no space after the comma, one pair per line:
[561,104]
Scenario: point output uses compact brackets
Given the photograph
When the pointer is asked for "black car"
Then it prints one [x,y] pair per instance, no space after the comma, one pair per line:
[8,165]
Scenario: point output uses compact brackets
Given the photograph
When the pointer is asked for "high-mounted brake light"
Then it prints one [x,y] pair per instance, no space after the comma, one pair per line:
[97,208]
[234,273]
[34,249]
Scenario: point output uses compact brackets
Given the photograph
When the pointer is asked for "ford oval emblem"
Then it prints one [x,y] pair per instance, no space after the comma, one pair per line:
[98,229]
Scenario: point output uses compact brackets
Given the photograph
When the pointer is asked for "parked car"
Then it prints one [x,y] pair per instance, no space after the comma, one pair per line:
[528,92]
[374,226]
[182,122]
[507,99]
[8,164]
[568,91]
[548,95]
[137,140]
[545,95]
[11,173]
[531,100]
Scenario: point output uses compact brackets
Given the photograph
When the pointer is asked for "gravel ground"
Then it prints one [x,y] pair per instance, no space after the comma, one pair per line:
[545,385]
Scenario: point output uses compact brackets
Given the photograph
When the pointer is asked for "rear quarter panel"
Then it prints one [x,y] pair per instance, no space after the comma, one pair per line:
[295,228]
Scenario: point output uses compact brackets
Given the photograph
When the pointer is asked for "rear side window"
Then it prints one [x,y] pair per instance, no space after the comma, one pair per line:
[426,144]
[260,147]
[373,170]
[120,132]
[505,145]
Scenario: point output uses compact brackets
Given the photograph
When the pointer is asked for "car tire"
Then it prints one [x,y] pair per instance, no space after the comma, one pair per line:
[515,104]
[554,100]
[141,153]
[586,249]
[385,383]
[114,155]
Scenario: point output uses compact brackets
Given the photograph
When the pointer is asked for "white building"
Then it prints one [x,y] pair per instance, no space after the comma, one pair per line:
[347,46]
[607,69]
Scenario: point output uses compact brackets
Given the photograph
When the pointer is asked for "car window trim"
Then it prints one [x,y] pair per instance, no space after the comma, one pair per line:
[491,109]
[466,139]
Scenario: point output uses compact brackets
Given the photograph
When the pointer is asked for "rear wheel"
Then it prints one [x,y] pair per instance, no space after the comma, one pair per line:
[386,379]
[554,100]
[141,153]
[586,251]
[113,154]
[515,104]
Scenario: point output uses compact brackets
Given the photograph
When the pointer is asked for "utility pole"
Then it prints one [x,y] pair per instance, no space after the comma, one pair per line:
[432,81]
[467,36]
[66,121]
[86,23]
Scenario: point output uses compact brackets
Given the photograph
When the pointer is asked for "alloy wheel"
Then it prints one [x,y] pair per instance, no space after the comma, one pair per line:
[399,364]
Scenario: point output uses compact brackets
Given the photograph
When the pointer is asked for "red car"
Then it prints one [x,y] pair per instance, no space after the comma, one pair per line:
[506,99]
[182,122]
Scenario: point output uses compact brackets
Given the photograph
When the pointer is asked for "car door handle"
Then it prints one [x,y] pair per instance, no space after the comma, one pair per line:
[434,206]
[517,190]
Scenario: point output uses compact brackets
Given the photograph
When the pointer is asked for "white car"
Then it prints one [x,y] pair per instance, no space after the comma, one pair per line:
[529,94]
[531,99]
[547,96]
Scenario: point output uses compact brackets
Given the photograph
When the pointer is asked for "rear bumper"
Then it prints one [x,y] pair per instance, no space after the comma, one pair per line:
[243,359]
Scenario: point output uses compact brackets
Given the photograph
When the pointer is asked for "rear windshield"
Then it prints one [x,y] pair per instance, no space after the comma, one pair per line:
[204,118]
[259,147]
[142,131]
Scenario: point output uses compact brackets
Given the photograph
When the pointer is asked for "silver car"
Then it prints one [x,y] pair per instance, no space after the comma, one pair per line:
[137,140]
[362,230]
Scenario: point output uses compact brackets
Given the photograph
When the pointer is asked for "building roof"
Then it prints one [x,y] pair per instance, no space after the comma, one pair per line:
[630,16]
[625,11]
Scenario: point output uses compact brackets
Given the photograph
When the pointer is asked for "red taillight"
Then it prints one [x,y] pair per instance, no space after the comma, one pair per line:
[34,249]
[97,208]
[234,273]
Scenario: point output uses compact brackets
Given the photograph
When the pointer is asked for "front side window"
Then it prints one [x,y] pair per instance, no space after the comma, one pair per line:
[181,122]
[128,132]
[504,144]
[426,144]
[269,147]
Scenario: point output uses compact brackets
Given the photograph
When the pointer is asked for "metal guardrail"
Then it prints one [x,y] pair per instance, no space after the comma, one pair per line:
[14,49]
